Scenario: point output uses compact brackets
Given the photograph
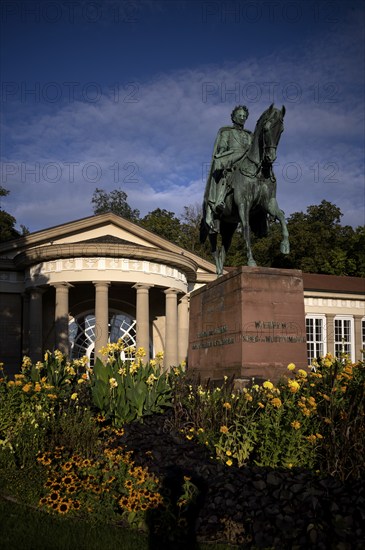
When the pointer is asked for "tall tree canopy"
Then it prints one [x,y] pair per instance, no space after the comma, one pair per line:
[318,241]
[116,202]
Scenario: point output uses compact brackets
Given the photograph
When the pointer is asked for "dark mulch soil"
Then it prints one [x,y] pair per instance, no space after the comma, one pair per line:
[250,507]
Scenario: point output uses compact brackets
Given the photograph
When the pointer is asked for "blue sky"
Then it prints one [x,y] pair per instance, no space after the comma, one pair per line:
[130,95]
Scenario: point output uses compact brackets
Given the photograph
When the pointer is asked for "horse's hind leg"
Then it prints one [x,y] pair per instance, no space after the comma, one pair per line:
[227,232]
[244,214]
[274,210]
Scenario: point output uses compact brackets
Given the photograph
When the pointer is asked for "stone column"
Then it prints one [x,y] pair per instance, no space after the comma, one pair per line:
[171,353]
[101,316]
[35,324]
[61,318]
[183,328]
[330,330]
[143,318]
[26,319]
[358,337]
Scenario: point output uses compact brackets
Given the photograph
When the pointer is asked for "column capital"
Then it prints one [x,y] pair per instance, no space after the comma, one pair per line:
[104,284]
[142,286]
[172,291]
[62,284]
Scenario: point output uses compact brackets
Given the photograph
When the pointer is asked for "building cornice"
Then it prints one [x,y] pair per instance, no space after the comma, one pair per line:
[89,250]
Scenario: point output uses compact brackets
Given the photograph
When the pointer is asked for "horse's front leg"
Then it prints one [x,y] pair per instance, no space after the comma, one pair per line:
[244,214]
[274,210]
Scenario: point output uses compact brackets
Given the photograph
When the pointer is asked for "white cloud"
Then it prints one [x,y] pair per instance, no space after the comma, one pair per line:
[162,142]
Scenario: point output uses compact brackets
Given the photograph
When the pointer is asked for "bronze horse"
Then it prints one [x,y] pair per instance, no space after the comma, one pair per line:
[251,197]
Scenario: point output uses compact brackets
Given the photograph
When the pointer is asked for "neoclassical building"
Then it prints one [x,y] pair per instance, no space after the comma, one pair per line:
[81,284]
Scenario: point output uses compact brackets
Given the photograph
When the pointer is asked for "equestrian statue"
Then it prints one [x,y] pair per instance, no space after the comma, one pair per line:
[241,185]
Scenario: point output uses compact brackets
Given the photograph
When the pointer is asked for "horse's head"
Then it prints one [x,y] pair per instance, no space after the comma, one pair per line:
[272,129]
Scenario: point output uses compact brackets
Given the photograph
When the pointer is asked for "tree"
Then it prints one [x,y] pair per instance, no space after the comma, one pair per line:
[7,222]
[318,243]
[190,232]
[164,223]
[115,202]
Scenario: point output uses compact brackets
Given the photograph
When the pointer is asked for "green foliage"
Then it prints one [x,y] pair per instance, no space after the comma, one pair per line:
[318,243]
[164,224]
[115,202]
[125,391]
[190,232]
[313,420]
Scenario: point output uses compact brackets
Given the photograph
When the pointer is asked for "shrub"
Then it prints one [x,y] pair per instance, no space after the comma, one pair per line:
[125,391]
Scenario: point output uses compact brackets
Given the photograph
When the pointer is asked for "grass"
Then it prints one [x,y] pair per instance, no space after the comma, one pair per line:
[25,527]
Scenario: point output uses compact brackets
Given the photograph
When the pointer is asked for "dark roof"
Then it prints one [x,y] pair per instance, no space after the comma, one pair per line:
[333,283]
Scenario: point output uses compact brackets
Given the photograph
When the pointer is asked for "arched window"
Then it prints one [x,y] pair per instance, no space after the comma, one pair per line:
[82,334]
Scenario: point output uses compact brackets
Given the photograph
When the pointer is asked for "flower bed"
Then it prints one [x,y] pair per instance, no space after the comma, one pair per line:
[277,465]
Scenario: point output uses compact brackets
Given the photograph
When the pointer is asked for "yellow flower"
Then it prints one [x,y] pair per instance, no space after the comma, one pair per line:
[319,436]
[295,424]
[113,383]
[52,395]
[229,453]
[26,387]
[328,360]
[27,363]
[229,462]
[140,353]
[224,430]
[293,386]
[291,366]
[261,405]
[46,356]
[74,396]
[227,405]
[133,367]
[268,385]
[58,355]
[80,381]
[302,373]
[189,437]
[37,387]
[276,402]
[151,379]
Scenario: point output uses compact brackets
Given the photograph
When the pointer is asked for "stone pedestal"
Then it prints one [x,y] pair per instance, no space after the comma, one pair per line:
[250,323]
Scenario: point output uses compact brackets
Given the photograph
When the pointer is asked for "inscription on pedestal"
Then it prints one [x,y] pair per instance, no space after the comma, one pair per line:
[249,323]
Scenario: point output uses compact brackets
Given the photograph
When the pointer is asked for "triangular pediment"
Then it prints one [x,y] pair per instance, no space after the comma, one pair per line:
[108,239]
[103,228]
